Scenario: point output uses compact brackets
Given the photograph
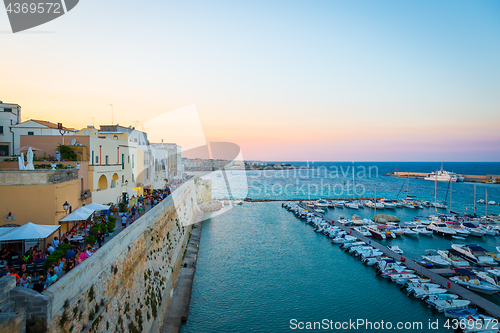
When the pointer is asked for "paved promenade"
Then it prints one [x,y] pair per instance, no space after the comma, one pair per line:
[178,308]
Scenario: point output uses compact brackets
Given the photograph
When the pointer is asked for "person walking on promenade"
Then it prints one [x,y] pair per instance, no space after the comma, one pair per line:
[124,221]
[100,238]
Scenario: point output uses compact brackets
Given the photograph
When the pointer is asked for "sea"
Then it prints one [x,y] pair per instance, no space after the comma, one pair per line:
[261,269]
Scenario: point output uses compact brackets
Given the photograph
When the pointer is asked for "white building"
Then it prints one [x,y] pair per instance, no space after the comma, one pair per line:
[40,127]
[10,115]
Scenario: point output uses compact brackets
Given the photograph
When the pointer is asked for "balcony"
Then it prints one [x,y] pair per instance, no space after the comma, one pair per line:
[105,168]
[85,194]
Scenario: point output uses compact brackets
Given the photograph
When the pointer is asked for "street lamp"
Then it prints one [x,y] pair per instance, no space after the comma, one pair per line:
[66,207]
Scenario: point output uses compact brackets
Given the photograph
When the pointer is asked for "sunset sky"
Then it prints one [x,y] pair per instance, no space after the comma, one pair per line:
[332,80]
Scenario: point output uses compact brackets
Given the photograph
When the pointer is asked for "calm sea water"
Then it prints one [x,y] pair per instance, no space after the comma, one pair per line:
[260,267]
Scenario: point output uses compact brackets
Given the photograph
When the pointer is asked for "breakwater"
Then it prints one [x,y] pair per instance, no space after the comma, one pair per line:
[488,178]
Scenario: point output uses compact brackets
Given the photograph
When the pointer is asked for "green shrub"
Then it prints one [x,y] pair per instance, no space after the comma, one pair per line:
[56,255]
[91,240]
[67,153]
[122,207]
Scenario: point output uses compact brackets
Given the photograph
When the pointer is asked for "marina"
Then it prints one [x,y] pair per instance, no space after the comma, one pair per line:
[487,306]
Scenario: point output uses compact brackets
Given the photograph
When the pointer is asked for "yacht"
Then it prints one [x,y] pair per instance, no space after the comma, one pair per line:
[474,254]
[441,229]
[381,231]
[453,257]
[470,281]
[352,205]
[423,231]
[388,204]
[473,229]
[435,259]
[395,248]
[321,203]
[444,176]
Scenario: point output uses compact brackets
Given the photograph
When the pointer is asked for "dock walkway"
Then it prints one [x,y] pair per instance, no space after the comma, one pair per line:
[488,307]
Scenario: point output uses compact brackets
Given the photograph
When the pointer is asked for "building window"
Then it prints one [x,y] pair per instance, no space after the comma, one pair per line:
[133,178]
[128,159]
[7,109]
[31,133]
[1,129]
[132,161]
[97,160]
[123,161]
[107,160]
[92,157]
[123,179]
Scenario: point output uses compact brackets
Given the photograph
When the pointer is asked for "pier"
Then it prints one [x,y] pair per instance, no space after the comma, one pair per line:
[488,307]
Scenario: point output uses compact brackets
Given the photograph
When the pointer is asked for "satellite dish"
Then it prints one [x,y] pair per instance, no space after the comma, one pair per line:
[73,142]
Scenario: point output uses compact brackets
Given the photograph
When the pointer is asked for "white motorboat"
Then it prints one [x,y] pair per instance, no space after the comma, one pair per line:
[403,278]
[348,245]
[474,254]
[344,221]
[357,220]
[479,323]
[344,239]
[363,231]
[473,229]
[321,203]
[453,257]
[395,248]
[411,285]
[425,291]
[360,248]
[371,254]
[470,281]
[352,205]
[444,176]
[388,267]
[339,204]
[441,229]
[409,232]
[441,305]
[408,205]
[435,259]
[487,231]
[491,276]
[439,205]
[409,278]
[388,204]
[423,231]
[492,202]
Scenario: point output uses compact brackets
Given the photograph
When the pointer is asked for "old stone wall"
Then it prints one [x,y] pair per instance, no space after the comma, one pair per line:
[127,284]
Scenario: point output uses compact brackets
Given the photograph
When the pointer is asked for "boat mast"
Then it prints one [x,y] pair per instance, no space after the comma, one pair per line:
[375,201]
[451,191]
[475,199]
[486,202]
[435,190]
[353,183]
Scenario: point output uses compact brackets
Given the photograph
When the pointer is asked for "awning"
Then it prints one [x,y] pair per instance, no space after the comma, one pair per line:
[96,207]
[80,214]
[4,230]
[29,231]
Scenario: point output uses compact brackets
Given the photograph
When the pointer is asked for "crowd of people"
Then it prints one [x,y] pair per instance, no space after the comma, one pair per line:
[28,268]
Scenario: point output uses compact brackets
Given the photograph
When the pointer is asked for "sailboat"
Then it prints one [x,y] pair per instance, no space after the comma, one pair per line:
[435,203]
[353,204]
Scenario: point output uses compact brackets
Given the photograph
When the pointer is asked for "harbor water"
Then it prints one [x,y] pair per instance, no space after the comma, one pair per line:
[261,269]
